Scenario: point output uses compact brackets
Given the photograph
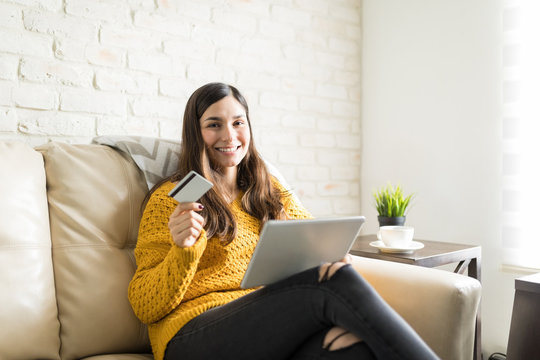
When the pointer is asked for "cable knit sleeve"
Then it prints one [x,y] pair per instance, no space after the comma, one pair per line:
[164,270]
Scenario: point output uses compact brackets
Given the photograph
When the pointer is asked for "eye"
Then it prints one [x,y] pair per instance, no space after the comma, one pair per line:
[213,125]
[239,122]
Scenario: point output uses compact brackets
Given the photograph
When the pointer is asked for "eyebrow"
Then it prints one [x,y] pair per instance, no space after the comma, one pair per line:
[217,118]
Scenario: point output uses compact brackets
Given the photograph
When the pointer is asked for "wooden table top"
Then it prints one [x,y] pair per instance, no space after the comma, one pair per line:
[434,253]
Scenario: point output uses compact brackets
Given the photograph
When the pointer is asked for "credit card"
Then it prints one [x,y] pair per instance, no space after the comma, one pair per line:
[191,188]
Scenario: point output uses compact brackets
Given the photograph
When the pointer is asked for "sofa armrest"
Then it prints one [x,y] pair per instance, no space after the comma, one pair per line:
[441,306]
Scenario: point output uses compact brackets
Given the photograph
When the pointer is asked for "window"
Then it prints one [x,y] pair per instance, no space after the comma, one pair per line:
[521,134]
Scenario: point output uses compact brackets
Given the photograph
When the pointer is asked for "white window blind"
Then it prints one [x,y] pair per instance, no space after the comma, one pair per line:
[521,134]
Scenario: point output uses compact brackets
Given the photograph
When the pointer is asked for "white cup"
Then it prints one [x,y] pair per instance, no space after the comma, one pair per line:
[396,236]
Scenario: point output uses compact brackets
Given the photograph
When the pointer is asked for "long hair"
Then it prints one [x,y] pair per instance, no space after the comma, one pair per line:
[261,198]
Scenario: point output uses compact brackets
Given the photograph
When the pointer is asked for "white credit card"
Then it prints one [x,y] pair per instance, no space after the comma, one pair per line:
[191,188]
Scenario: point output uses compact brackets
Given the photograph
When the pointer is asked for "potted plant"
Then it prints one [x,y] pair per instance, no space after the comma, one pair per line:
[391,205]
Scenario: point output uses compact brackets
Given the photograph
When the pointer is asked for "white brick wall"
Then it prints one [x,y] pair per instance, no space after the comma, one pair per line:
[74,69]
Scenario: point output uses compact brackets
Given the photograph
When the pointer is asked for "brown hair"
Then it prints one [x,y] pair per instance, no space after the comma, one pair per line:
[261,198]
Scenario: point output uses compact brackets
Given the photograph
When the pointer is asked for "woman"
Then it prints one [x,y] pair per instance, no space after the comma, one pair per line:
[191,258]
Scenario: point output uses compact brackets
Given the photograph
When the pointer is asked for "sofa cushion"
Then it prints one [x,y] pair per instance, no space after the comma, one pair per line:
[29,327]
[95,197]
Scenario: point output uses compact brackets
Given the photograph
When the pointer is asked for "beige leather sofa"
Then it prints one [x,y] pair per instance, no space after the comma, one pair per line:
[68,225]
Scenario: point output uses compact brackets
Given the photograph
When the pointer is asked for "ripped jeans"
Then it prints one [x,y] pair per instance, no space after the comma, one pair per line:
[289,319]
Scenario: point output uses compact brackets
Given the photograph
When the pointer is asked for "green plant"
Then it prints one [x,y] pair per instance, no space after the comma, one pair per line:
[391,202]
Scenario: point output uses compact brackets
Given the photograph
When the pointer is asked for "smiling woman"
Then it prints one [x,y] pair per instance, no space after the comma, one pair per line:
[191,258]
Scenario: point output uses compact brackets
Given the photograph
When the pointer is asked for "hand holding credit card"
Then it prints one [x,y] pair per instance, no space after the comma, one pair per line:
[191,188]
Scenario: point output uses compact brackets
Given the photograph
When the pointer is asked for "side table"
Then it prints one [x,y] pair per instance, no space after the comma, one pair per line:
[525,326]
[433,254]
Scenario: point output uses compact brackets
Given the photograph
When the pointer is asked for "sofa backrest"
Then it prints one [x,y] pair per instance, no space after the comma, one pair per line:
[94,196]
[29,327]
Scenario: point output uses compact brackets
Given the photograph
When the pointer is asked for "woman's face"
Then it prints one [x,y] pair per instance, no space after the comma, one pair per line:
[225,131]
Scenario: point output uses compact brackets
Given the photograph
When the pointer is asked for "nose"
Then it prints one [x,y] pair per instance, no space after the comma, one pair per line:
[228,133]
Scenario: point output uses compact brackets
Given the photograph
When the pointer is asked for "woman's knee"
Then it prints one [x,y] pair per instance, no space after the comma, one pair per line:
[338,338]
[327,270]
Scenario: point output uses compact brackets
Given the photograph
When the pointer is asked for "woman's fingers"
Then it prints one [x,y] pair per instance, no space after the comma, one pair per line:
[185,224]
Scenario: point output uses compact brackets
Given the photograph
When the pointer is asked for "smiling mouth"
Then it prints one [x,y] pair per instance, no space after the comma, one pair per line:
[228,149]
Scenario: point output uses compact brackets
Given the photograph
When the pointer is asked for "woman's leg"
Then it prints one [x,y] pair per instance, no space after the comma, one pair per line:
[273,322]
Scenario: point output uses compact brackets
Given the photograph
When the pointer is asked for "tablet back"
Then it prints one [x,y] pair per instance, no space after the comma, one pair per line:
[287,247]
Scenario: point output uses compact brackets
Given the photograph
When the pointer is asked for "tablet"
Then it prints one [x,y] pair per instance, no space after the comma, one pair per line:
[287,247]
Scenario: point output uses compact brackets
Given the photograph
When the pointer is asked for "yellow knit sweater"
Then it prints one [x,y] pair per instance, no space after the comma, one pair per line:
[172,285]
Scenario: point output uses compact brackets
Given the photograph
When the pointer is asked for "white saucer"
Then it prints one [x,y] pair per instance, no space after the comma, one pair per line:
[415,245]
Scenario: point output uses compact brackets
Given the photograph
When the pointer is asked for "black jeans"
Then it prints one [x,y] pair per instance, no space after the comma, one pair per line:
[289,319]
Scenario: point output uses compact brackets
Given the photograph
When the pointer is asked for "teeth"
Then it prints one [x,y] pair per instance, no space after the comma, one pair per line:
[227,149]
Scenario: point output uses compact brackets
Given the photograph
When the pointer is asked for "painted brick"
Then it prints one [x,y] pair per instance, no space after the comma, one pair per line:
[346,206]
[9,65]
[274,29]
[107,125]
[170,128]
[150,62]
[304,189]
[10,16]
[53,5]
[343,13]
[332,91]
[59,25]
[212,34]
[56,72]
[233,58]
[334,124]
[5,93]
[315,104]
[158,22]
[272,47]
[205,72]
[174,87]
[110,11]
[8,119]
[316,72]
[298,86]
[333,157]
[313,173]
[156,107]
[296,18]
[130,82]
[345,173]
[34,96]
[347,109]
[244,23]
[95,102]
[57,124]
[107,56]
[248,79]
[297,157]
[299,121]
[142,4]
[299,52]
[189,49]
[279,138]
[334,188]
[347,77]
[317,206]
[194,9]
[16,42]
[69,49]
[279,100]
[317,140]
[129,38]
[346,141]
[332,60]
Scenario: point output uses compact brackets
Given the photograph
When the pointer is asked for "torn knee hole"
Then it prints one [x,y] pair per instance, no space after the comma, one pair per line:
[340,340]
[327,270]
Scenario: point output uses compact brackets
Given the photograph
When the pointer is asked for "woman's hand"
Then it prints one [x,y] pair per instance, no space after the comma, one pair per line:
[185,224]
